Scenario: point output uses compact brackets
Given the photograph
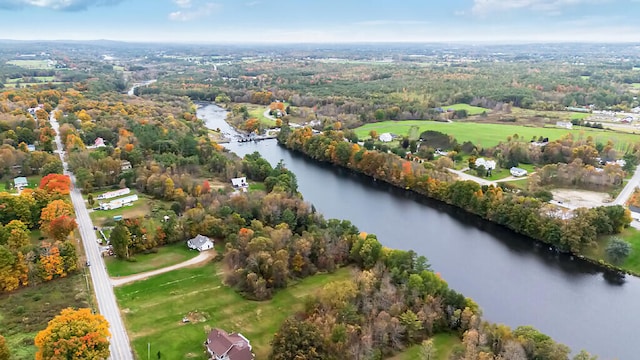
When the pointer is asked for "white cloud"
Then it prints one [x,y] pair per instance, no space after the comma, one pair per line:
[391,22]
[183,3]
[65,5]
[550,7]
[192,11]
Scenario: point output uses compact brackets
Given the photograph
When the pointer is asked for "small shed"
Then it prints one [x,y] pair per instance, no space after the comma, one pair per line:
[200,243]
[20,182]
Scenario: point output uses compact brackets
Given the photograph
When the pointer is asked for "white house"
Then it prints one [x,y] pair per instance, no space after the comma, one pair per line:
[200,243]
[240,183]
[386,137]
[488,164]
[20,182]
[518,172]
[125,165]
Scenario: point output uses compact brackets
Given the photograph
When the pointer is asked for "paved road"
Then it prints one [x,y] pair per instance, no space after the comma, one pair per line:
[632,184]
[107,305]
[202,257]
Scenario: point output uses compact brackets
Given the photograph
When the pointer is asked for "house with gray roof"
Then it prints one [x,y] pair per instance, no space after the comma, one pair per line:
[200,243]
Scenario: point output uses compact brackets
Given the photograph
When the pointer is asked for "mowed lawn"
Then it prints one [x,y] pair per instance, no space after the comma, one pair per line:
[630,235]
[442,343]
[153,310]
[166,256]
[471,110]
[488,135]
[139,208]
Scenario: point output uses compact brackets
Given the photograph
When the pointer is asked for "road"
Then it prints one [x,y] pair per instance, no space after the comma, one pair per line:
[107,305]
[202,257]
[628,190]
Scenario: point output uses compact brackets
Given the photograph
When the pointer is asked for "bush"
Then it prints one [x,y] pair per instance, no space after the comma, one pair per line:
[618,250]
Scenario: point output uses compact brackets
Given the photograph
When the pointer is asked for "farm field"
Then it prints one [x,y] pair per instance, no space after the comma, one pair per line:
[31,64]
[153,310]
[487,135]
[471,110]
[27,311]
[166,256]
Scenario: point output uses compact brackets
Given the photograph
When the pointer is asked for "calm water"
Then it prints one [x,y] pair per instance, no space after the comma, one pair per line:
[514,280]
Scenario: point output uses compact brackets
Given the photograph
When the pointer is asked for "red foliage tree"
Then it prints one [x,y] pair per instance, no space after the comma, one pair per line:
[206,187]
[56,183]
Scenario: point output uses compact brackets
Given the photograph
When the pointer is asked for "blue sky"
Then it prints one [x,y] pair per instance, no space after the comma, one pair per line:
[285,21]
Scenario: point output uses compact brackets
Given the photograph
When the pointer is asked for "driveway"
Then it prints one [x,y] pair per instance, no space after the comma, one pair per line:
[201,258]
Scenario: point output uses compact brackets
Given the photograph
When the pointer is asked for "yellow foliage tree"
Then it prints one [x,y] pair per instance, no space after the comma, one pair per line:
[51,263]
[53,210]
[74,334]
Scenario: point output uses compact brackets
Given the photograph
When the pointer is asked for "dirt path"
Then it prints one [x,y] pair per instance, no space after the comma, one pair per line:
[202,257]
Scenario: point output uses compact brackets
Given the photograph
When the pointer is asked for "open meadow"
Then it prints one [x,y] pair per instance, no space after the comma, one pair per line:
[31,64]
[27,311]
[487,135]
[153,310]
[471,110]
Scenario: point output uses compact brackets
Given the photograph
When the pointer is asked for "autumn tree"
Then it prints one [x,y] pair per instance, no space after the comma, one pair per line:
[298,340]
[5,354]
[13,270]
[74,334]
[60,227]
[17,235]
[56,183]
[54,210]
[51,264]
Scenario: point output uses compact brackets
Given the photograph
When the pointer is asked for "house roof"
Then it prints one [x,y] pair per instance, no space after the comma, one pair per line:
[199,240]
[239,181]
[234,345]
[20,181]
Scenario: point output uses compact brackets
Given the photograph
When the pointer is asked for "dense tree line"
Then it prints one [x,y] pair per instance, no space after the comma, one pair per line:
[525,215]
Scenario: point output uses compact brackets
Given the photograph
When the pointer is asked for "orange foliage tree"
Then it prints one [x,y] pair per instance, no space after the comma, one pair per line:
[60,227]
[53,210]
[251,125]
[74,334]
[56,183]
[51,263]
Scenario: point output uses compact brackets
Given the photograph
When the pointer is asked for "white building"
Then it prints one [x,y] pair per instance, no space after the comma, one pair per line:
[564,124]
[118,203]
[488,164]
[518,172]
[386,137]
[240,183]
[200,243]
[115,193]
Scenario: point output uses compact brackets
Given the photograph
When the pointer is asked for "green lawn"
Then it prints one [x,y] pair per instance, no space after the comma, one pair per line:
[40,79]
[257,111]
[487,135]
[139,208]
[585,77]
[153,310]
[471,110]
[443,344]
[30,64]
[166,256]
[27,311]
[635,85]
[632,236]
[257,187]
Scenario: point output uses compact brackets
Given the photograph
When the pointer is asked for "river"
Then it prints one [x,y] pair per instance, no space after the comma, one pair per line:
[514,280]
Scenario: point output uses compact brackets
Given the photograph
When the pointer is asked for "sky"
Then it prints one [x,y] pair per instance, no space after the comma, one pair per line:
[322,21]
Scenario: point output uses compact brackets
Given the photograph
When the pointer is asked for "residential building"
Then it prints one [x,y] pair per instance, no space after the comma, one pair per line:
[240,183]
[488,164]
[518,172]
[125,165]
[115,193]
[200,243]
[20,182]
[223,346]
[386,137]
[99,143]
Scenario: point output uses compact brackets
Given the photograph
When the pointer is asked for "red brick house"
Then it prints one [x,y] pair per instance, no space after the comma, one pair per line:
[223,346]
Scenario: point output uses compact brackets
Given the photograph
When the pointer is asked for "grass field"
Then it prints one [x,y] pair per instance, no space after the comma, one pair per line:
[471,110]
[166,256]
[487,135]
[153,310]
[26,312]
[257,111]
[443,344]
[139,208]
[30,64]
[635,85]
[35,78]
